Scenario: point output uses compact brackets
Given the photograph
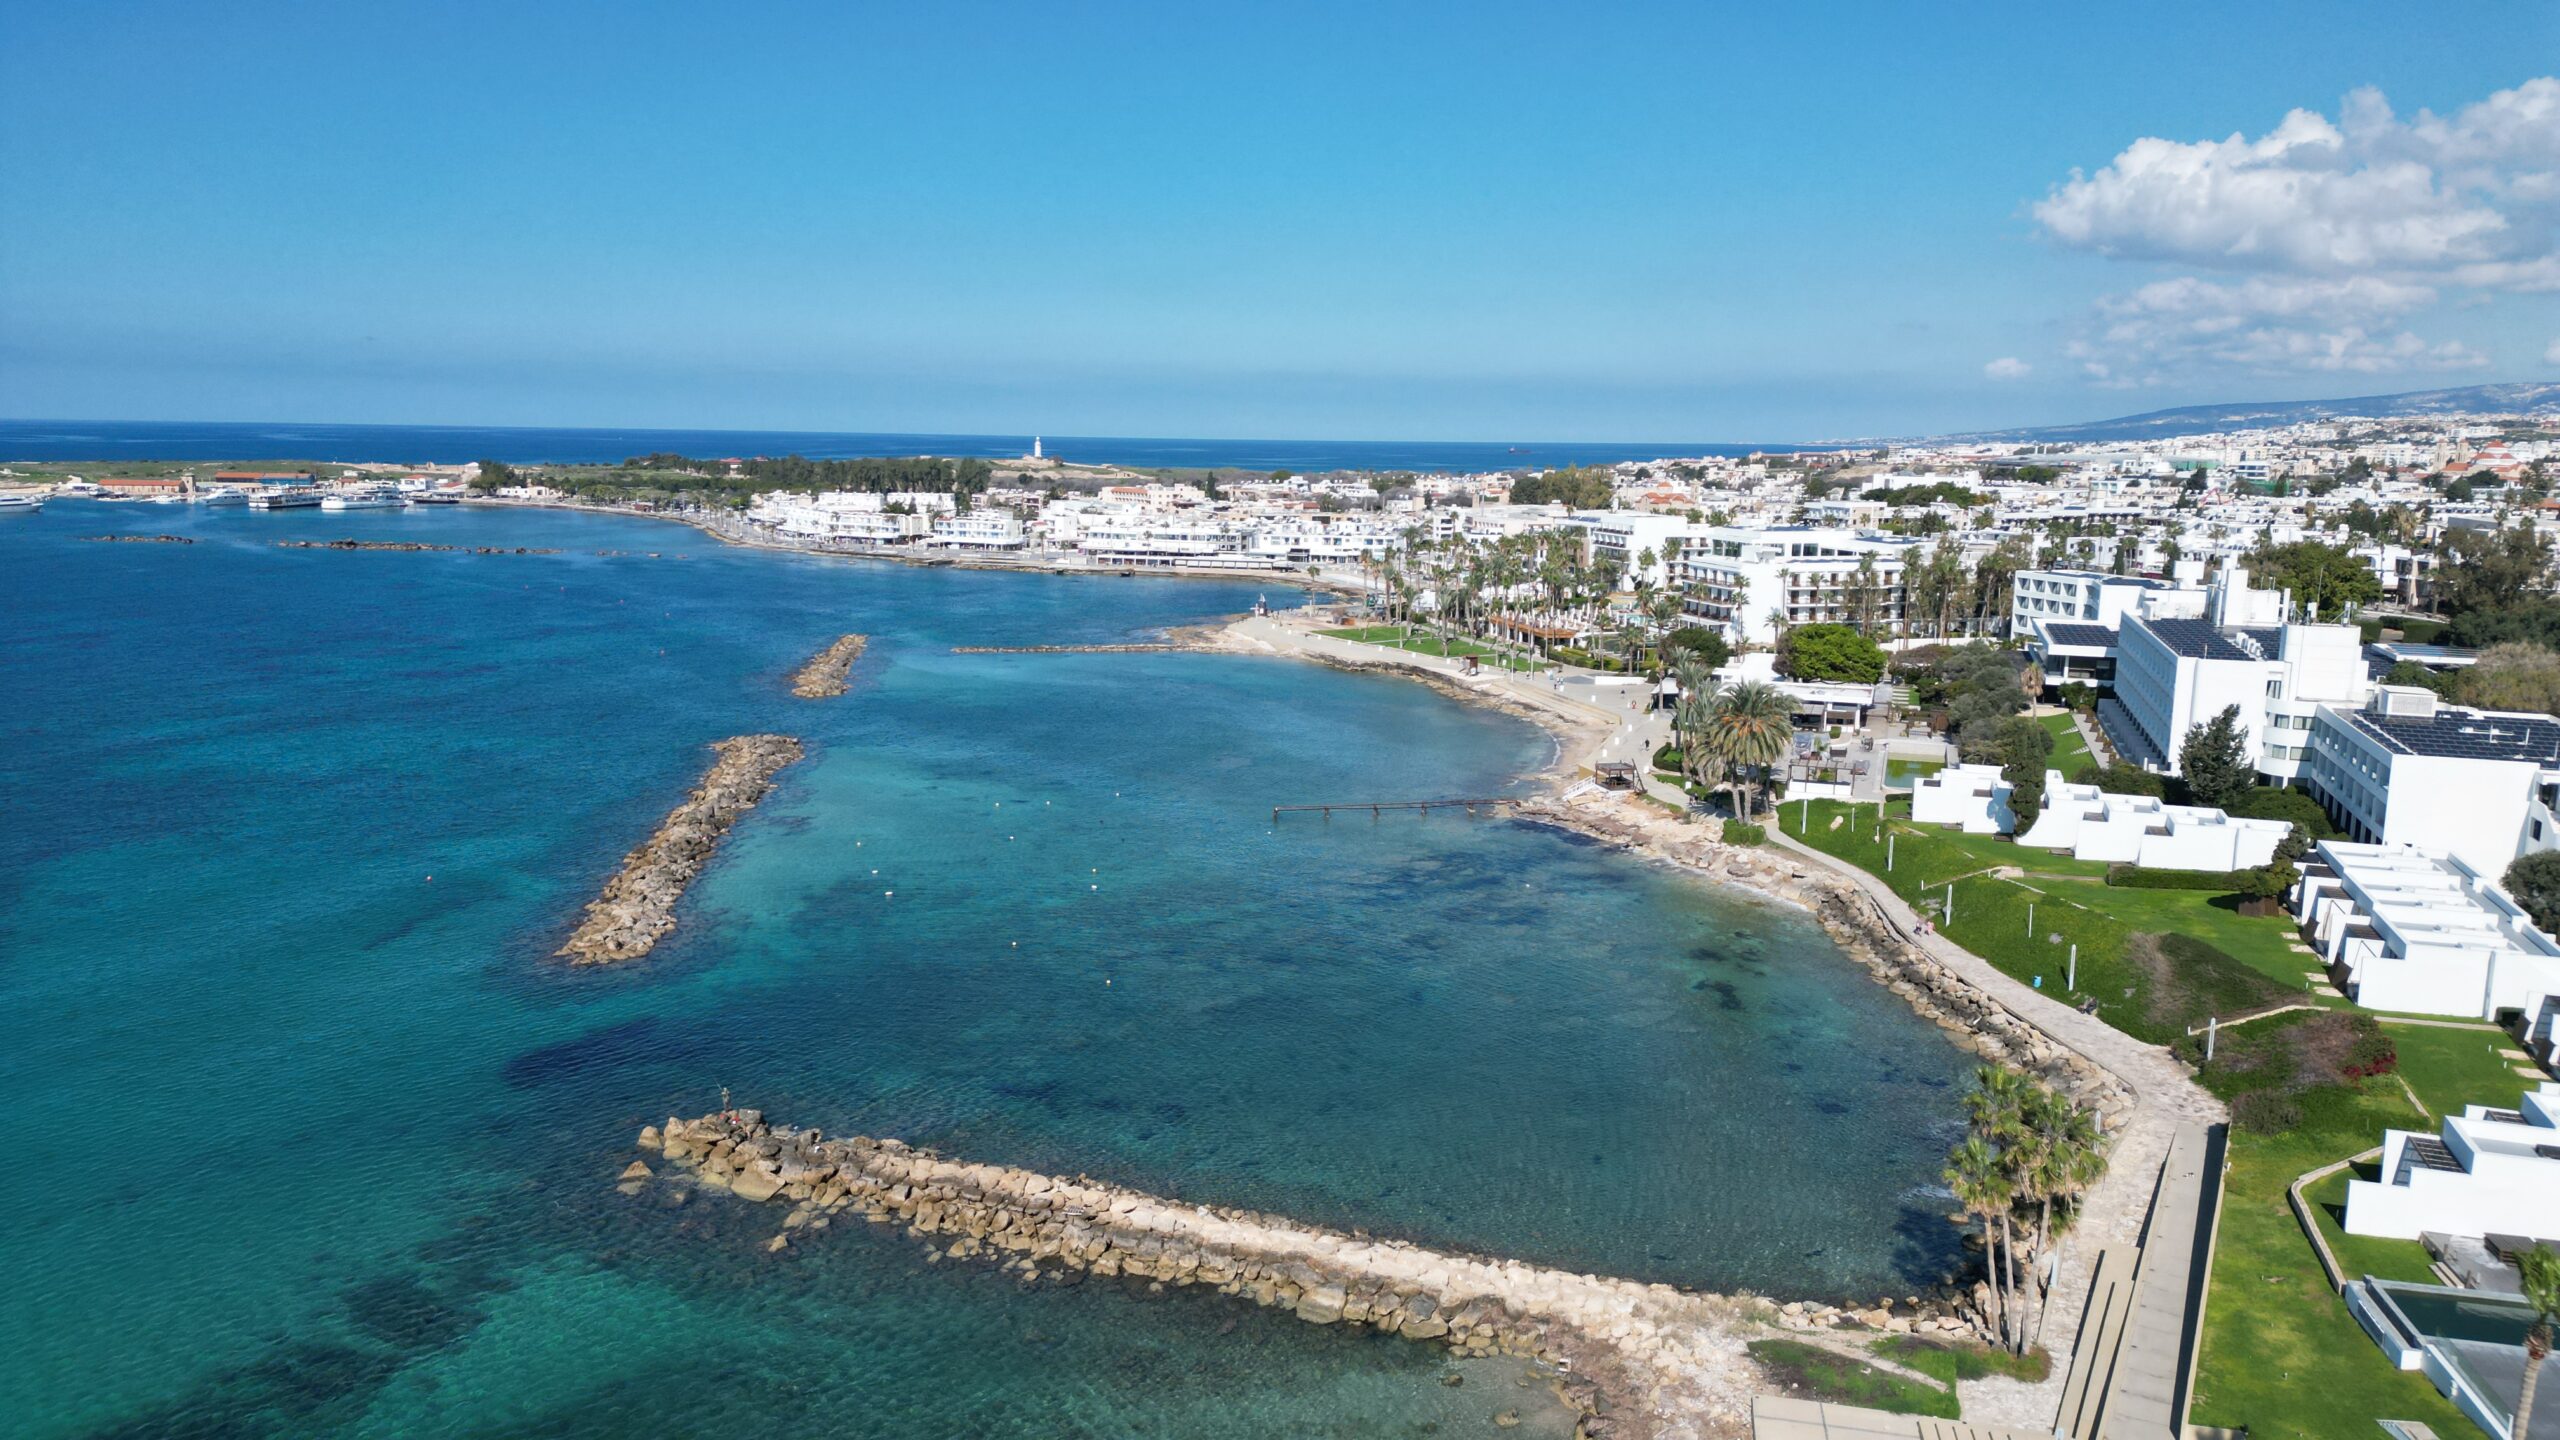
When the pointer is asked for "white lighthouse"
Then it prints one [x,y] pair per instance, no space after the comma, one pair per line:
[1035,447]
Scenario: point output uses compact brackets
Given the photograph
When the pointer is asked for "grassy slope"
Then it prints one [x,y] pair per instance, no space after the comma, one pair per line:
[1424,642]
[2069,900]
[1814,1373]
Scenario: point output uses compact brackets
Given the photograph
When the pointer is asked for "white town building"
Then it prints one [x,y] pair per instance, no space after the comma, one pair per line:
[2421,932]
[2145,831]
[2174,674]
[2484,1172]
[1974,798]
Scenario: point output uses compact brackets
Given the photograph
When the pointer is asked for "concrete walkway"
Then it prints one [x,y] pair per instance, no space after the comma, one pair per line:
[2165,1102]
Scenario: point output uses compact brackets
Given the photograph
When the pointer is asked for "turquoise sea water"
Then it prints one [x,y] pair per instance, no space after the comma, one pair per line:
[316,1139]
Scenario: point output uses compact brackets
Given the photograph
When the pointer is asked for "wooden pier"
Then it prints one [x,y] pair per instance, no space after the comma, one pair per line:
[1377,808]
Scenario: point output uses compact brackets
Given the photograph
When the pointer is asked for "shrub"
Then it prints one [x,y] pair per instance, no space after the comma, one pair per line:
[2372,1053]
[2290,805]
[2122,779]
[2220,882]
[1743,832]
[2268,1112]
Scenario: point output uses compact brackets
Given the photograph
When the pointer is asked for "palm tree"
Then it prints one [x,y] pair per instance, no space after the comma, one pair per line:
[2064,1156]
[2540,1269]
[1981,1186]
[1752,725]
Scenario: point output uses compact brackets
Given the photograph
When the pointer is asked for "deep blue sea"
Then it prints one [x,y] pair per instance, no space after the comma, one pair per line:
[313,1137]
[111,441]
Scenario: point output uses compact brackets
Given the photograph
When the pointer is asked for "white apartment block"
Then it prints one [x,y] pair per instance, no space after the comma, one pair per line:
[2407,769]
[1627,536]
[1735,577]
[2420,932]
[2173,674]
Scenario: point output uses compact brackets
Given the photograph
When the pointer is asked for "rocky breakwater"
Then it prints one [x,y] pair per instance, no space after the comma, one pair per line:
[1636,1359]
[416,547]
[638,903]
[824,676]
[140,539]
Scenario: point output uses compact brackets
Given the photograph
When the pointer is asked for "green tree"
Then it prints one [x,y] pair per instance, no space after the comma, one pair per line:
[2328,578]
[493,473]
[2534,881]
[2491,569]
[2535,620]
[2410,672]
[2538,1276]
[1830,652]
[2214,760]
[1696,642]
[2514,676]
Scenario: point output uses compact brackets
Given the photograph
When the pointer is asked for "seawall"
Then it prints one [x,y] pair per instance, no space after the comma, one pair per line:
[638,905]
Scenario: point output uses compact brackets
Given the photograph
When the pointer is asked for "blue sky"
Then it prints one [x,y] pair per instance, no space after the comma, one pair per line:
[1463,221]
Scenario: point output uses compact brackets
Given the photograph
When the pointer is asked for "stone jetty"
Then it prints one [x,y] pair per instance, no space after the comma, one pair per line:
[141,539]
[824,676]
[638,904]
[1636,1359]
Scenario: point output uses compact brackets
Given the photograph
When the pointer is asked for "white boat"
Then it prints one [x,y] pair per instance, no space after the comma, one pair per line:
[284,500]
[221,495]
[363,497]
[20,504]
[435,497]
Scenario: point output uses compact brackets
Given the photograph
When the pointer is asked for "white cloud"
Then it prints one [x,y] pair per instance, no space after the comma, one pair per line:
[2431,195]
[2183,325]
[2339,231]
[2007,367]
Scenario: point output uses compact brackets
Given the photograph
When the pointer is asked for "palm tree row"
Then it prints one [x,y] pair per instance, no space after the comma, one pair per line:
[1466,586]
[2027,1157]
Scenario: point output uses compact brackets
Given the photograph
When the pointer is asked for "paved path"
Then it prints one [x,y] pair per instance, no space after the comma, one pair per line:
[2165,1100]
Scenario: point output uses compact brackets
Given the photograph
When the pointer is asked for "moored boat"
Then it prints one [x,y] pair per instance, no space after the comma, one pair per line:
[20,504]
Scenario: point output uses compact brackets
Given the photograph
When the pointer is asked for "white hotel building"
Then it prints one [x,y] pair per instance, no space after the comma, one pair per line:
[1735,577]
[2486,1171]
[2407,769]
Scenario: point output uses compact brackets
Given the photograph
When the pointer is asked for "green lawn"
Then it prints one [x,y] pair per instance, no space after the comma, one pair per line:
[2361,1255]
[1419,641]
[2070,752]
[2452,1068]
[1953,1360]
[2281,1356]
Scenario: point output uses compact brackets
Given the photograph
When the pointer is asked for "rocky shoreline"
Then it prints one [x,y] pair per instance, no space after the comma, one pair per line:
[638,905]
[823,678]
[1635,1359]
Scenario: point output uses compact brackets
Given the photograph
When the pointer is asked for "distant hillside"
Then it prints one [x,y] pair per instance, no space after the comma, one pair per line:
[2190,419]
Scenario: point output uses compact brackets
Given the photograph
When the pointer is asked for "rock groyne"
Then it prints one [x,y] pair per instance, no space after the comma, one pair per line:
[1637,1359]
[638,903]
[141,539]
[824,676]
